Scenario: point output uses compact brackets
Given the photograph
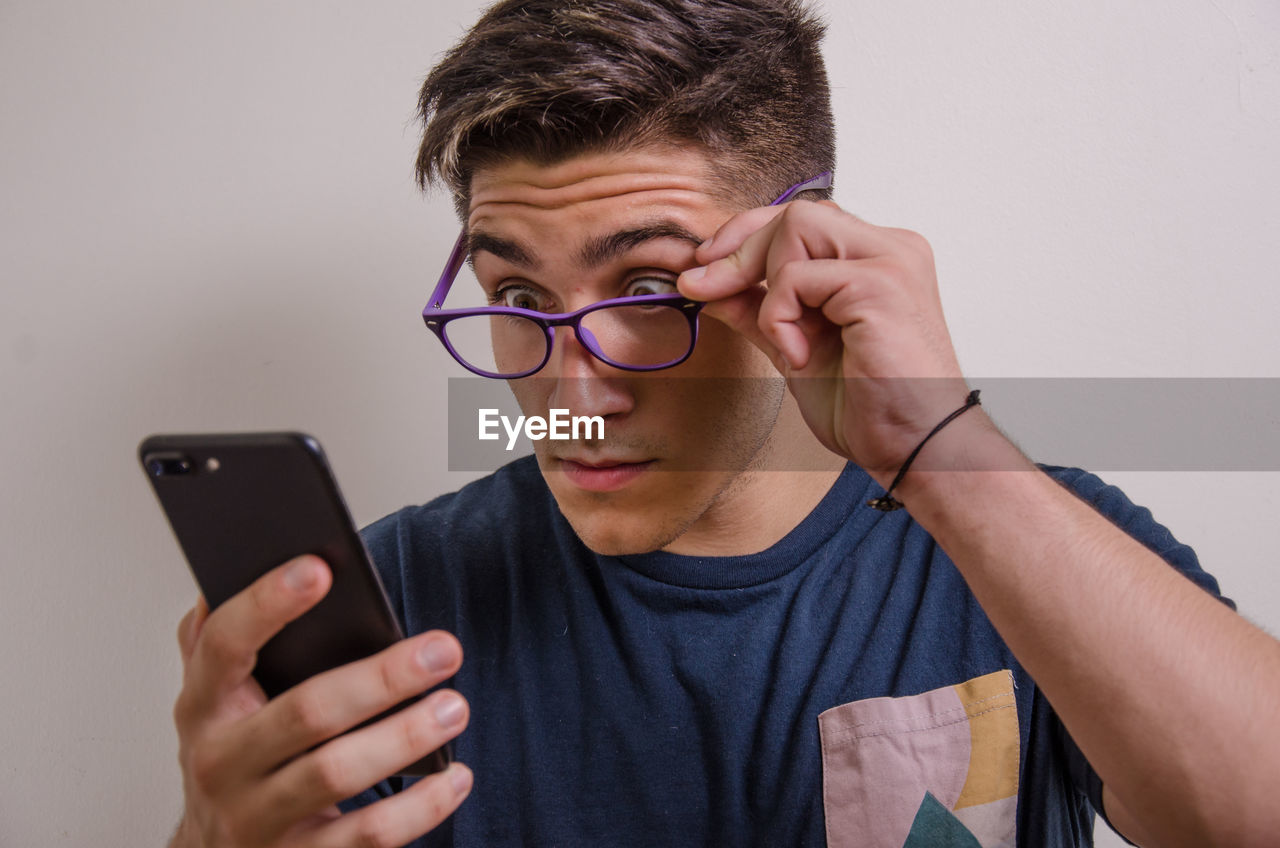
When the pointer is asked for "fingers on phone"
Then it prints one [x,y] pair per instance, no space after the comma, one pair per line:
[337,700]
[189,628]
[352,763]
[404,816]
[227,647]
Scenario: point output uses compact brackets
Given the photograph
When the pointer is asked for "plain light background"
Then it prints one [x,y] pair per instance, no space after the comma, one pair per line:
[208,221]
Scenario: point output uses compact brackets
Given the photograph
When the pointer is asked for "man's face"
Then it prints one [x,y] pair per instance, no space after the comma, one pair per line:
[535,226]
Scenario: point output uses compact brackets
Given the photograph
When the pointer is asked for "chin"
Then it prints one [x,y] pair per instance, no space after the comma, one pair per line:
[635,521]
[614,545]
[610,531]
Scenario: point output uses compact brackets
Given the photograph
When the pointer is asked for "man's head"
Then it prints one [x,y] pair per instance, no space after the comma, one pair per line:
[546,80]
[590,146]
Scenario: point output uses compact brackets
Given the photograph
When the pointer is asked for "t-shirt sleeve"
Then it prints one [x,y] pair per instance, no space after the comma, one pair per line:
[1138,522]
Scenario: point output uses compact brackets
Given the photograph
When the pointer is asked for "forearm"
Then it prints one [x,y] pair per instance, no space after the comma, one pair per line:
[1169,693]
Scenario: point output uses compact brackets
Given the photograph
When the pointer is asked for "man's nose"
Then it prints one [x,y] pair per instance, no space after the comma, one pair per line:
[583,383]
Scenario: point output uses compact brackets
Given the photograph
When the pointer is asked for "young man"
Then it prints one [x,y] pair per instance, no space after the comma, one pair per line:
[695,630]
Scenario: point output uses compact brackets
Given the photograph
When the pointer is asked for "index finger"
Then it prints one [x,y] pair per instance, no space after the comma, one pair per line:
[226,649]
[735,231]
[739,257]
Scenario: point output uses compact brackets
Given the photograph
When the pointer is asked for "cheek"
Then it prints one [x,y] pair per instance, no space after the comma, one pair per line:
[724,352]
[713,423]
[528,397]
[536,395]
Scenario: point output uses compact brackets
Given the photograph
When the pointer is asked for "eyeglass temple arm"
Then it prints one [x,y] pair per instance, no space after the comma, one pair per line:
[821,181]
[450,273]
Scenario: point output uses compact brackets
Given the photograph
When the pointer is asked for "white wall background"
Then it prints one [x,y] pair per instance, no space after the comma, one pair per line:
[208,220]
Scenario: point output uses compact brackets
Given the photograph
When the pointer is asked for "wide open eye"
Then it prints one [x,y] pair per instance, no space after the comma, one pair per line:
[649,285]
[521,297]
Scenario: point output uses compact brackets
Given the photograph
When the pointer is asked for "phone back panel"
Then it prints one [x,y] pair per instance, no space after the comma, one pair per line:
[271,498]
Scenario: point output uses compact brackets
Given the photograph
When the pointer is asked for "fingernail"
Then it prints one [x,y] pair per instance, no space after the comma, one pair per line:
[706,243]
[449,709]
[695,274]
[435,655]
[459,778]
[301,575]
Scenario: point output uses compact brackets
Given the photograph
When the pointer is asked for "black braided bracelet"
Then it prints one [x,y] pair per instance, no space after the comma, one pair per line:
[887,502]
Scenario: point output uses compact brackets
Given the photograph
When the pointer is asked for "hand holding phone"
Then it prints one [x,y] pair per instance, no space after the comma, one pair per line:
[337,708]
[252,771]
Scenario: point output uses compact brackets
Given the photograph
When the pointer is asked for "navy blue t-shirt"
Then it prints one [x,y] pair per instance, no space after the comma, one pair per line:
[668,700]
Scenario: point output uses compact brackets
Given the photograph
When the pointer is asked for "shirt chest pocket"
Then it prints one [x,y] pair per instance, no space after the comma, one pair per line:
[938,769]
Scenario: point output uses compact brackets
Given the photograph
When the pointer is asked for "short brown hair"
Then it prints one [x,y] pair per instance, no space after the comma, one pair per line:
[547,80]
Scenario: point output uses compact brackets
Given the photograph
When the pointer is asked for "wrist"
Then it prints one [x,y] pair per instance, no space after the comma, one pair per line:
[957,457]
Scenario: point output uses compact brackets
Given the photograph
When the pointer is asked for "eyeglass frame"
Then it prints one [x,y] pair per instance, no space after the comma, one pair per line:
[436,317]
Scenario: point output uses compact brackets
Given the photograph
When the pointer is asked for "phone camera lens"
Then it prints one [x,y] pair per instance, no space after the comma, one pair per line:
[168,465]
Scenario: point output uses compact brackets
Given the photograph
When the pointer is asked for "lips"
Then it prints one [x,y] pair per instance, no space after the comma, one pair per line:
[602,475]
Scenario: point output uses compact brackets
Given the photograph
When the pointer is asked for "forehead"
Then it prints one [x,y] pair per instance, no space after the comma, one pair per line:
[593,191]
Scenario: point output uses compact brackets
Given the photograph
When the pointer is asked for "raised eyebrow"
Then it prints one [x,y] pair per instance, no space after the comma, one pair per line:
[507,249]
[602,249]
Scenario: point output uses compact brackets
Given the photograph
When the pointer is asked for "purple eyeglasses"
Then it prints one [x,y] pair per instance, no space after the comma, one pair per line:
[645,332]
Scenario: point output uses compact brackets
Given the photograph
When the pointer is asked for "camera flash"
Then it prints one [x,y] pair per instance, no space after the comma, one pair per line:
[211,464]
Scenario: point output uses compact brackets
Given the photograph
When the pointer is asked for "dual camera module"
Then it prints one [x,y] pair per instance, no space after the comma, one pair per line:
[173,464]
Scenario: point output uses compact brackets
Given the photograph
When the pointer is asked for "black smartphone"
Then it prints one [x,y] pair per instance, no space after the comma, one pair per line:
[241,504]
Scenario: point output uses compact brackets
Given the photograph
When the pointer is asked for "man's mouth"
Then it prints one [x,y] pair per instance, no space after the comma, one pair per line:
[602,475]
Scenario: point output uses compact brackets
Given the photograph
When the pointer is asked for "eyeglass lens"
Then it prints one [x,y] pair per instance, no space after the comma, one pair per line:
[630,335]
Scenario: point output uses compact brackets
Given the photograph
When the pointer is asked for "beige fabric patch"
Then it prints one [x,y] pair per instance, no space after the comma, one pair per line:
[881,755]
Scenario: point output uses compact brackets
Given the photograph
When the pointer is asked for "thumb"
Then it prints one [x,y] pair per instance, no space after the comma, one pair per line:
[189,627]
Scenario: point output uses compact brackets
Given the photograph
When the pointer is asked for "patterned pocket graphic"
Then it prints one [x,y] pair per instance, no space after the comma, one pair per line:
[935,769]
